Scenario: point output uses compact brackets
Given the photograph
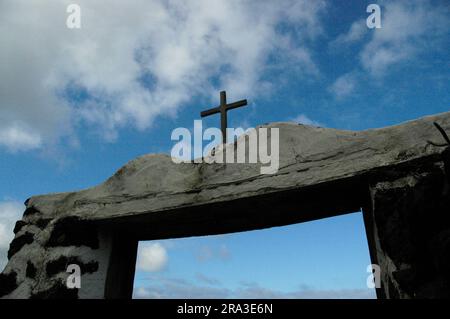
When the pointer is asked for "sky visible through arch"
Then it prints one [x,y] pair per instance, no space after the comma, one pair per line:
[325,258]
[76,104]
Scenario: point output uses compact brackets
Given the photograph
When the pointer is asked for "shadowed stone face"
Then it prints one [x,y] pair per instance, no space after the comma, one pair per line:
[412,229]
[60,265]
[7,283]
[59,291]
[19,242]
[31,270]
[71,231]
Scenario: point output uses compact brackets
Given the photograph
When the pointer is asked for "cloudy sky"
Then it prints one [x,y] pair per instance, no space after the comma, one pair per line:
[76,104]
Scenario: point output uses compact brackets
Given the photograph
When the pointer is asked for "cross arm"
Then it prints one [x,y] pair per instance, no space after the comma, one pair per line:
[210,111]
[230,106]
[237,104]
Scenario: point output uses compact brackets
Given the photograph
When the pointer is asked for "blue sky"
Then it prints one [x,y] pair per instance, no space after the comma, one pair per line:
[77,104]
[321,259]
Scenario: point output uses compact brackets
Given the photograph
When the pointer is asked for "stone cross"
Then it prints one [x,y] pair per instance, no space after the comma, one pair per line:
[222,109]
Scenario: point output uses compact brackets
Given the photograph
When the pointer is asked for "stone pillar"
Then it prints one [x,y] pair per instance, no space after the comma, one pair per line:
[43,248]
[408,227]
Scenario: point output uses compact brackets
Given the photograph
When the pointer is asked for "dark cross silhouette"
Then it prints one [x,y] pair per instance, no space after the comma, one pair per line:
[222,109]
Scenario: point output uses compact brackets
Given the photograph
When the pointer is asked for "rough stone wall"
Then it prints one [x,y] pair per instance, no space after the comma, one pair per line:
[404,168]
[411,231]
[41,252]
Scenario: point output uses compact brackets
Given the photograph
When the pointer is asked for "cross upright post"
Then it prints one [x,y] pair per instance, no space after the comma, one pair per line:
[223,108]
[223,116]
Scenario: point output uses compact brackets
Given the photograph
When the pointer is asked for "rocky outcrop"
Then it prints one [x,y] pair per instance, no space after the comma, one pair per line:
[398,174]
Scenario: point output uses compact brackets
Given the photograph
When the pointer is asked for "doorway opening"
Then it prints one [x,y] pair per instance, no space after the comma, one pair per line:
[325,258]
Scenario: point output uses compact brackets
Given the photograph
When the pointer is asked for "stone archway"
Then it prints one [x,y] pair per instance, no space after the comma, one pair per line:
[398,177]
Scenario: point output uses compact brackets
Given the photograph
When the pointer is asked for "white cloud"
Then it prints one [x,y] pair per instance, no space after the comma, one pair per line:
[152,257]
[134,61]
[10,212]
[408,28]
[343,86]
[177,288]
[207,280]
[354,34]
[142,293]
[17,138]
[303,119]
[173,288]
[259,292]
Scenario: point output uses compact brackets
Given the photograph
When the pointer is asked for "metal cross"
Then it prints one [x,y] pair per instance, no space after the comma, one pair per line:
[222,109]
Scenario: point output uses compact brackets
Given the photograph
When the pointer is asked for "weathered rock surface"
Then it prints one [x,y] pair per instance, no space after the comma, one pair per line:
[308,156]
[323,172]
